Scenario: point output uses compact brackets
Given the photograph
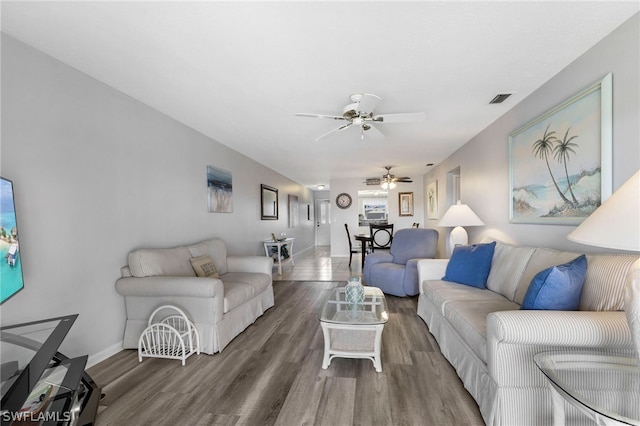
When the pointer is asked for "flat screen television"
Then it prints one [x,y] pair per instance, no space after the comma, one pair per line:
[11,280]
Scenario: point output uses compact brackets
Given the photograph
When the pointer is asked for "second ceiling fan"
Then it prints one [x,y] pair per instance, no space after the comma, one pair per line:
[360,114]
[389,180]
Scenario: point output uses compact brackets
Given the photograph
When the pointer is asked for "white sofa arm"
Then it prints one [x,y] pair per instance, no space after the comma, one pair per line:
[514,337]
[431,269]
[258,264]
[170,286]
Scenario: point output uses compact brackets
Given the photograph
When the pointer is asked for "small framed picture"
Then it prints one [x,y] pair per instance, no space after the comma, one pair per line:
[405,203]
[432,200]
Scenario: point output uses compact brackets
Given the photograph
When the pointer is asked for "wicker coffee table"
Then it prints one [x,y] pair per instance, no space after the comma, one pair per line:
[353,330]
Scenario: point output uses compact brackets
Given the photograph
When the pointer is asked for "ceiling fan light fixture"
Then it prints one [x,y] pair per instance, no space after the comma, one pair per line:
[385,185]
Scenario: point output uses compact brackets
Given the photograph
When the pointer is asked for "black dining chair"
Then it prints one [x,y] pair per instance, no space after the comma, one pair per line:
[352,250]
[381,236]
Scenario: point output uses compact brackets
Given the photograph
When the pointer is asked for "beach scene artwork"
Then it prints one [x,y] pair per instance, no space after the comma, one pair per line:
[556,163]
[11,264]
[220,190]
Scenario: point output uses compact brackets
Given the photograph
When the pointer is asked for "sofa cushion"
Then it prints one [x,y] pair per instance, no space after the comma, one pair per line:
[153,262]
[541,259]
[258,282]
[557,288]
[204,266]
[604,283]
[469,319]
[470,265]
[442,292]
[507,267]
[235,294]
[215,248]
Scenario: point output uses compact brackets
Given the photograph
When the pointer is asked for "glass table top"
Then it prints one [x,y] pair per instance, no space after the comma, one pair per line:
[606,384]
[373,310]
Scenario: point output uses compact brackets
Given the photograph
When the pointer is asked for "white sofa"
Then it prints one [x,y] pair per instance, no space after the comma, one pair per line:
[220,308]
[491,343]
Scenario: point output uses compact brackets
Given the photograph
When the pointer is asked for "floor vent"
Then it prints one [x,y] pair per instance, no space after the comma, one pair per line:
[500,98]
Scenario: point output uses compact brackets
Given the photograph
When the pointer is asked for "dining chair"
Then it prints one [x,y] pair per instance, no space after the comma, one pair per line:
[381,236]
[352,250]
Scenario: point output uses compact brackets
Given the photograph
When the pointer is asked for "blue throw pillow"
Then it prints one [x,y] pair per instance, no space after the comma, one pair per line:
[557,288]
[470,265]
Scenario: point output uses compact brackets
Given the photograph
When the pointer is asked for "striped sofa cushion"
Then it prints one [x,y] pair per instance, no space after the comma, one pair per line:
[603,288]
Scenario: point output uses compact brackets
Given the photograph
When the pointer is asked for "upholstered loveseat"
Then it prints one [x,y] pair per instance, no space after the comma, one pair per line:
[221,308]
[491,342]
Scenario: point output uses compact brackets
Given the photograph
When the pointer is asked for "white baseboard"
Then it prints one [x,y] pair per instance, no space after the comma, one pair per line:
[102,355]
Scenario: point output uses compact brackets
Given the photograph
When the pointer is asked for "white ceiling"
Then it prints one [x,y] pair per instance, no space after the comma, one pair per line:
[238,71]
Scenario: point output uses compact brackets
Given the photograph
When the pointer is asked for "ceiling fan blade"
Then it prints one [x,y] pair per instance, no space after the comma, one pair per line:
[368,103]
[404,179]
[372,133]
[343,127]
[409,117]
[334,117]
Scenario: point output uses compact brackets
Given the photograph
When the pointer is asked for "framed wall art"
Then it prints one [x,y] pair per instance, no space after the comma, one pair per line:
[405,203]
[268,202]
[294,213]
[432,200]
[560,163]
[219,190]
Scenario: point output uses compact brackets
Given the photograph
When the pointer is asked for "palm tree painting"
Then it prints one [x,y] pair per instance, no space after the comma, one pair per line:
[560,167]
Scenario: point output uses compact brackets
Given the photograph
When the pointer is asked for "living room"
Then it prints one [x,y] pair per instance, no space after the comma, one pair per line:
[98,173]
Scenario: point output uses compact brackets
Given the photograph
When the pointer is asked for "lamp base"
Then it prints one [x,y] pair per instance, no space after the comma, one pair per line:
[632,304]
[457,237]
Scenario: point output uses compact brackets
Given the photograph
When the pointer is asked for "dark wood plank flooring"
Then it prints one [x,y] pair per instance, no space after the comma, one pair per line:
[271,375]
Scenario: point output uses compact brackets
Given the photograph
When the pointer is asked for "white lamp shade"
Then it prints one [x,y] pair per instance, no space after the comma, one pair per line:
[460,215]
[616,223]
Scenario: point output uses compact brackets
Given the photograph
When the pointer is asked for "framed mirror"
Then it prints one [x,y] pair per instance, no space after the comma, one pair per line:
[268,202]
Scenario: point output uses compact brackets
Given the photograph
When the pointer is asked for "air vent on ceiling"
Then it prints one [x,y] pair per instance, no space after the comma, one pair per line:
[373,181]
[500,98]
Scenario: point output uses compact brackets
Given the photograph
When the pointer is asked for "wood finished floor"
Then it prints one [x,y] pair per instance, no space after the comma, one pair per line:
[271,375]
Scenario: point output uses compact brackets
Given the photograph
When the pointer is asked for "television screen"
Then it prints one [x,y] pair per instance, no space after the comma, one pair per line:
[11,280]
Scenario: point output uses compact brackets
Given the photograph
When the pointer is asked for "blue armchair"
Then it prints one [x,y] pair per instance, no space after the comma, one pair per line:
[396,272]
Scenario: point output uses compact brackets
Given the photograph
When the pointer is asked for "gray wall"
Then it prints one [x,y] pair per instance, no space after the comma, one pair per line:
[483,161]
[98,174]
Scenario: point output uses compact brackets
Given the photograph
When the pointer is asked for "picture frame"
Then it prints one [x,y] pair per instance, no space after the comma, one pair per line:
[560,163]
[405,203]
[294,213]
[219,190]
[432,200]
[268,202]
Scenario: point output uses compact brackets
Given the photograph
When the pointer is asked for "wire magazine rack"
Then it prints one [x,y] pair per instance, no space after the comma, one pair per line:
[173,337]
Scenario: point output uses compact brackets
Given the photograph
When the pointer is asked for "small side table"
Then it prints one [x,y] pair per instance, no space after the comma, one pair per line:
[605,387]
[286,242]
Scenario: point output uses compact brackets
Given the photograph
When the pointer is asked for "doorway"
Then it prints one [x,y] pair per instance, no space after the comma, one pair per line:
[323,222]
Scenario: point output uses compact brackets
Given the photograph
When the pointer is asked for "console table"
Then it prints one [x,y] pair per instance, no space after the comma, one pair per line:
[279,244]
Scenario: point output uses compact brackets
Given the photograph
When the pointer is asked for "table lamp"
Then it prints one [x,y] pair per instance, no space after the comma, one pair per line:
[616,224]
[459,215]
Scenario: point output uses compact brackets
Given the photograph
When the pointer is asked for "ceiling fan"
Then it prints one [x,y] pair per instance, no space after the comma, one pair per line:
[389,180]
[360,114]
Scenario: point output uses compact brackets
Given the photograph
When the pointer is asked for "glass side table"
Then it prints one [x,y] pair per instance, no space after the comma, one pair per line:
[604,387]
